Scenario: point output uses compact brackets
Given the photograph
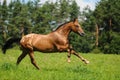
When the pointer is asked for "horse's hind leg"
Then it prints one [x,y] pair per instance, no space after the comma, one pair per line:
[76,54]
[31,54]
[21,57]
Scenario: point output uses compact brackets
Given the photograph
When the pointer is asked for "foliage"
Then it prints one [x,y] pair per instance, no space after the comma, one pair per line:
[113,45]
[74,11]
[81,44]
[107,17]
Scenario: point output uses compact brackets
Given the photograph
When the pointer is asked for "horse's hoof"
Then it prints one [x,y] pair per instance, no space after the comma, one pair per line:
[69,61]
[87,62]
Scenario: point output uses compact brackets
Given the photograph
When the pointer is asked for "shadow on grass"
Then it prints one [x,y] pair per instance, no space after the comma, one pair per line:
[50,69]
[78,69]
[75,69]
[8,66]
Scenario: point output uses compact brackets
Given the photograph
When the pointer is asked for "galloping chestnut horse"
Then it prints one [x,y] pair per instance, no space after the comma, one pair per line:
[56,41]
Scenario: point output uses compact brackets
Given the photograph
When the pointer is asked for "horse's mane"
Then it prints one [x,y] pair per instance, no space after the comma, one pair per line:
[61,25]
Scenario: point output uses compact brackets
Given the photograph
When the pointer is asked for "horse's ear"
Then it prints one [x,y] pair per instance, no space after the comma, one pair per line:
[75,20]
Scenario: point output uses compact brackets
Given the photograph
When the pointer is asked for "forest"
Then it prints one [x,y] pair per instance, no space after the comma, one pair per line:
[102,25]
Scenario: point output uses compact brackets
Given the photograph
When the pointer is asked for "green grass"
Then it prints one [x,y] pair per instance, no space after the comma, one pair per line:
[55,67]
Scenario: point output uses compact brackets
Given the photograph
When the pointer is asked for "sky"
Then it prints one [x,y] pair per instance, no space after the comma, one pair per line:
[84,3]
[81,3]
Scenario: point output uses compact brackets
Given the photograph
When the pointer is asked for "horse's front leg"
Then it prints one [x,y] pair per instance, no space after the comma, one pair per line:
[69,55]
[79,56]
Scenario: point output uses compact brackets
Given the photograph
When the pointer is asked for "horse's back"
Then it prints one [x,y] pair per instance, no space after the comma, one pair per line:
[38,42]
[27,38]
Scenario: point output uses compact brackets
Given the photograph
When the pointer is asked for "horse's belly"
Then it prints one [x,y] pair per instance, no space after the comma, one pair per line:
[62,48]
[47,47]
[44,47]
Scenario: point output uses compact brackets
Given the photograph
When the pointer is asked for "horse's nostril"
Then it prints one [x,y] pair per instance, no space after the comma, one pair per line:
[83,34]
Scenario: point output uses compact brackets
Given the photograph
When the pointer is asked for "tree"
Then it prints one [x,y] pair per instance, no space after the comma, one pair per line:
[41,17]
[14,13]
[107,17]
[74,10]
[3,20]
[64,9]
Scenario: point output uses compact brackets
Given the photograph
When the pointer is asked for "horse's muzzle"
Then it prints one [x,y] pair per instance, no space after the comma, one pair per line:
[81,34]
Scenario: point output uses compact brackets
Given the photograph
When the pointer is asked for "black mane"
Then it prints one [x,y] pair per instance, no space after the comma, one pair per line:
[61,25]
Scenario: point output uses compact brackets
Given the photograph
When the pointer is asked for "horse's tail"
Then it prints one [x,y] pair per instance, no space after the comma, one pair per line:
[9,42]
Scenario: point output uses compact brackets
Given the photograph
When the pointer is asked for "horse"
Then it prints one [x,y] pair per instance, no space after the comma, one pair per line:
[55,41]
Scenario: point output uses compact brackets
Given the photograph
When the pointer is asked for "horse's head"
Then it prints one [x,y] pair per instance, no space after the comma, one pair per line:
[77,28]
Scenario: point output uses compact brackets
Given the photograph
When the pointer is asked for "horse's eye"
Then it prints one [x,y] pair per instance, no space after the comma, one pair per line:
[77,26]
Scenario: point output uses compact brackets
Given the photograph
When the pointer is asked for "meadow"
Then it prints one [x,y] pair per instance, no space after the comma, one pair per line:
[55,67]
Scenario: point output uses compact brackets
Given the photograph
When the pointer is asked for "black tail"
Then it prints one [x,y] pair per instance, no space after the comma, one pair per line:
[9,42]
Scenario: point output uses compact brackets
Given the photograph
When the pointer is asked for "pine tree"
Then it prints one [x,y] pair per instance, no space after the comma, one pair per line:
[64,9]
[74,10]
[107,17]
[4,17]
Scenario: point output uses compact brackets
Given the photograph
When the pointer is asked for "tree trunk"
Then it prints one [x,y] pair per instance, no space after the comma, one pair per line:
[22,31]
[97,35]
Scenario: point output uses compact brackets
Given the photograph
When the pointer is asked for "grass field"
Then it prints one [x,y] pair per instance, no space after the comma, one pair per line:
[55,67]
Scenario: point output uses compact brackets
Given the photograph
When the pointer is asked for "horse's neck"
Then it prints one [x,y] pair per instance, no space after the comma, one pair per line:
[64,30]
